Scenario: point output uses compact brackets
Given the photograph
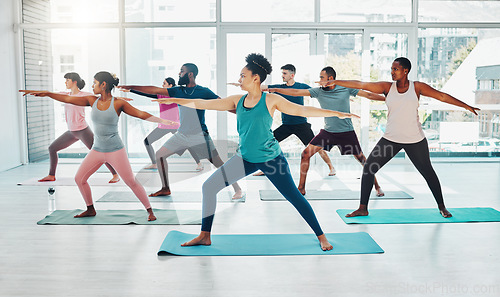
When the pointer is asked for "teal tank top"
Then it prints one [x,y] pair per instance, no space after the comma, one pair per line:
[105,122]
[257,142]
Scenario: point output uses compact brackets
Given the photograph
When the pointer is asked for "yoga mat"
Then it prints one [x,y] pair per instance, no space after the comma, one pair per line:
[270,245]
[422,216]
[124,196]
[274,195]
[94,180]
[172,168]
[124,217]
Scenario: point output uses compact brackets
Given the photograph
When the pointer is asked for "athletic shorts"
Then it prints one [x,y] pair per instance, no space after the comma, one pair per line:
[347,142]
[200,143]
[302,131]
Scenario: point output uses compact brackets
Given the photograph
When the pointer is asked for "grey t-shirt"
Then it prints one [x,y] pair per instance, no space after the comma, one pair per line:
[338,100]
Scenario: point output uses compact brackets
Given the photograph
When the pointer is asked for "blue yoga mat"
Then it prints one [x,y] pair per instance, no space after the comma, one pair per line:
[422,216]
[341,194]
[123,217]
[270,245]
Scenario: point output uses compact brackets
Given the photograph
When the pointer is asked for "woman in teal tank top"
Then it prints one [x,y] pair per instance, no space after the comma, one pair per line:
[108,146]
[258,149]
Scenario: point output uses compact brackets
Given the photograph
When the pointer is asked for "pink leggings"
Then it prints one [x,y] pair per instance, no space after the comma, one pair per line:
[119,161]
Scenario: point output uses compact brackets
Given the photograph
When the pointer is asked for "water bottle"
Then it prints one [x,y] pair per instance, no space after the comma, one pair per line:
[52,199]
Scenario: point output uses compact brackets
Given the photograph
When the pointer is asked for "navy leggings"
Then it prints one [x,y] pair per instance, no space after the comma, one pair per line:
[385,150]
[276,170]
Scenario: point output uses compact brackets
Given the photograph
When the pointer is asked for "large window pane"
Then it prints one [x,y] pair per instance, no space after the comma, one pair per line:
[343,53]
[236,53]
[384,11]
[170,11]
[293,49]
[70,11]
[458,11]
[267,11]
[464,63]
[82,56]
[152,54]
[384,48]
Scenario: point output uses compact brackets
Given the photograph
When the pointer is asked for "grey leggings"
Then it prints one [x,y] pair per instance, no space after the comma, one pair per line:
[157,134]
[67,139]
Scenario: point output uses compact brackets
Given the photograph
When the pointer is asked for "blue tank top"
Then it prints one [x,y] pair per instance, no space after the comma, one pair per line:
[257,142]
[106,138]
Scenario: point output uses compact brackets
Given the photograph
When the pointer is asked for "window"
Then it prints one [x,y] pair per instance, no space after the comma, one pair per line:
[383,11]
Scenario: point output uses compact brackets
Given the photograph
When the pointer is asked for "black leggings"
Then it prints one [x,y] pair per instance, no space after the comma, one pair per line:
[158,133]
[385,150]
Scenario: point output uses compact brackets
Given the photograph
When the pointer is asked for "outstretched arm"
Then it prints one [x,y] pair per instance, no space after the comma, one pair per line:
[381,87]
[371,96]
[146,89]
[144,94]
[224,104]
[76,100]
[429,91]
[290,92]
[132,111]
[291,108]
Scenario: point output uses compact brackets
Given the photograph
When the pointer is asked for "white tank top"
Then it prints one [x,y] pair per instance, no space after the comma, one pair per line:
[403,125]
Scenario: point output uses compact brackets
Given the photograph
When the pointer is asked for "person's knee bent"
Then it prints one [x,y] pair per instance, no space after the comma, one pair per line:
[52,149]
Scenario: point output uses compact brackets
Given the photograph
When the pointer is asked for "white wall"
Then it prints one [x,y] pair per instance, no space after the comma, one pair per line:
[10,130]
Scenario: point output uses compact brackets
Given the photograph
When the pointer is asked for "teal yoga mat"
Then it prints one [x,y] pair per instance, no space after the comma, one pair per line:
[422,216]
[270,245]
[124,217]
[274,195]
[177,196]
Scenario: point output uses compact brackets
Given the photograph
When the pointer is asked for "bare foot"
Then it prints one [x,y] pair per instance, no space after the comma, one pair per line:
[199,167]
[202,239]
[380,193]
[152,166]
[151,216]
[302,190]
[48,178]
[332,172]
[444,212]
[325,245]
[238,195]
[258,173]
[161,192]
[115,179]
[361,211]
[90,212]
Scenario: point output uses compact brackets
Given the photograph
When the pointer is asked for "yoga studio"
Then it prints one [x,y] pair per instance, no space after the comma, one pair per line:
[274,148]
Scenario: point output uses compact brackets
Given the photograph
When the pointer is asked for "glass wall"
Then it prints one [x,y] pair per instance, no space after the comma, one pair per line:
[463,62]
[383,11]
[153,54]
[144,41]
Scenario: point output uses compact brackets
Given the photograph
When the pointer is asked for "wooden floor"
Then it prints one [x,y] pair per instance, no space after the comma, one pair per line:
[419,259]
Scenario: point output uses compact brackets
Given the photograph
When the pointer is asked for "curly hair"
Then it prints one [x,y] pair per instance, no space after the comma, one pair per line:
[258,64]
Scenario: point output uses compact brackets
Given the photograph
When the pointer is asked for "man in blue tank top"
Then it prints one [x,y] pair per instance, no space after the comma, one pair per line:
[337,132]
[294,124]
[192,132]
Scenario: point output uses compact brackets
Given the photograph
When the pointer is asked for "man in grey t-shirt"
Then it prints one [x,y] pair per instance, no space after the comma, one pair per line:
[337,132]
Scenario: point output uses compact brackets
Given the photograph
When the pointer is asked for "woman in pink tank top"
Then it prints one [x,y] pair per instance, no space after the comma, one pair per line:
[167,112]
[403,130]
[78,129]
